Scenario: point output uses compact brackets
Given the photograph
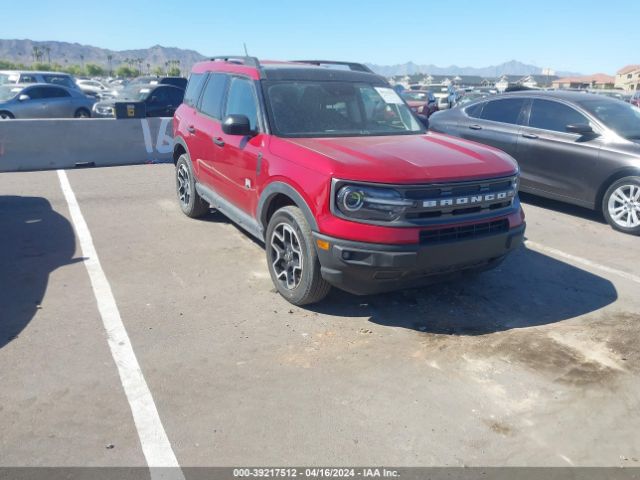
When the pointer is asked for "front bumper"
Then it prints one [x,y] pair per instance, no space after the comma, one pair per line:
[368,268]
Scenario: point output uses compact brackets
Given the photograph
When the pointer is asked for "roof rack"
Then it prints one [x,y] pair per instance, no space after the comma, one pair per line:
[356,67]
[239,59]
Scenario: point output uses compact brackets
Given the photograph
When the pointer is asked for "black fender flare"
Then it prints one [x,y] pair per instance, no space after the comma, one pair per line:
[178,140]
[275,188]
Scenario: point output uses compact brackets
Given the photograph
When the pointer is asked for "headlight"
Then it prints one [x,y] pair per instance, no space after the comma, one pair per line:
[103,109]
[370,203]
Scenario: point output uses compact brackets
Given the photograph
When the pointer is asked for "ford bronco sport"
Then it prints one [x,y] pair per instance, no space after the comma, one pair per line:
[328,166]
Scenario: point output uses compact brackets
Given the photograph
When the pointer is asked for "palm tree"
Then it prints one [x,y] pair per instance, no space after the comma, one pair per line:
[109,59]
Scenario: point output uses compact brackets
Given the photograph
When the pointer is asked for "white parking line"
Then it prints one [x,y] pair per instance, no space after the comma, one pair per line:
[153,439]
[583,261]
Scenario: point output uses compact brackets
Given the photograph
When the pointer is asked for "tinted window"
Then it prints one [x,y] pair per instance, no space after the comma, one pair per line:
[475,110]
[175,96]
[211,103]
[242,101]
[505,111]
[157,96]
[47,92]
[193,88]
[554,116]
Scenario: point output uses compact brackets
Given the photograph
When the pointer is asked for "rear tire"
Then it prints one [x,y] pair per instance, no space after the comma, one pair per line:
[82,113]
[6,116]
[191,204]
[292,259]
[621,205]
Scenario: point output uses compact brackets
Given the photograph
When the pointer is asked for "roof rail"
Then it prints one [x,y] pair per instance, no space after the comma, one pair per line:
[356,67]
[239,59]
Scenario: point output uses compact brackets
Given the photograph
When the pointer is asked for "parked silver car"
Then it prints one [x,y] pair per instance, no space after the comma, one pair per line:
[43,100]
[28,76]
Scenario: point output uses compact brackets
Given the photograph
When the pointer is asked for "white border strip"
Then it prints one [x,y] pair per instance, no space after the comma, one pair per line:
[583,261]
[153,439]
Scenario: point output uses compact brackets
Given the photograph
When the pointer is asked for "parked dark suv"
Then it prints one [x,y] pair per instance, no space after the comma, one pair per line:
[573,147]
[326,164]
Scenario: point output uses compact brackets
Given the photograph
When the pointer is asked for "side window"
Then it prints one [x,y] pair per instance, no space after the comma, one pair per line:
[56,93]
[474,111]
[34,93]
[58,80]
[175,96]
[194,87]
[211,103]
[26,78]
[242,101]
[504,111]
[553,116]
[159,96]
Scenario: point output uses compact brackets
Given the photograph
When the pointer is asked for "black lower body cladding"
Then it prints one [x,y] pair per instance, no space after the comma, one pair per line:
[368,268]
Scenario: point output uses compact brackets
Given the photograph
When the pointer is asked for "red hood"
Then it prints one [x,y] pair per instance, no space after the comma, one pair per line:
[409,158]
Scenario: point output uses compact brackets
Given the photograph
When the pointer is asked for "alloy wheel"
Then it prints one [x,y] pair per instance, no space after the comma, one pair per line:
[286,254]
[624,206]
[184,184]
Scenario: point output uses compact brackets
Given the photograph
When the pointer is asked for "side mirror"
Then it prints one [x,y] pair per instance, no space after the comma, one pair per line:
[579,128]
[424,120]
[24,97]
[236,125]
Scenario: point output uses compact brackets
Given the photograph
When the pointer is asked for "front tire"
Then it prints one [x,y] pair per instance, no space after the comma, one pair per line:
[292,259]
[621,205]
[82,113]
[191,204]
[6,116]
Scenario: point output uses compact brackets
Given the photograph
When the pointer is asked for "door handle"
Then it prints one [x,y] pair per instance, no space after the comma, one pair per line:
[530,135]
[219,141]
[475,127]
[191,129]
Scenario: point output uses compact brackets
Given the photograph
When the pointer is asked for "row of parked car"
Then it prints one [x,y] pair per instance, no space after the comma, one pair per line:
[31,94]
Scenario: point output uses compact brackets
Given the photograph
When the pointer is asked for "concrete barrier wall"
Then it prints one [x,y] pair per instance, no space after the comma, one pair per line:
[67,143]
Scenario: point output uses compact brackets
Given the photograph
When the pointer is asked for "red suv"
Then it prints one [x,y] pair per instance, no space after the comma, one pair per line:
[328,166]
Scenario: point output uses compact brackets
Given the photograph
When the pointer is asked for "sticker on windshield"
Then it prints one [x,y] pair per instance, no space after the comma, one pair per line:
[145,90]
[389,95]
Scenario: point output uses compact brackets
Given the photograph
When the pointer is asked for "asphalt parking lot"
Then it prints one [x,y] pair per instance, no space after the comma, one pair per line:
[535,363]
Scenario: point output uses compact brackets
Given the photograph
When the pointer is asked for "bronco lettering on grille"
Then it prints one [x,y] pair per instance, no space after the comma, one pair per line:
[468,200]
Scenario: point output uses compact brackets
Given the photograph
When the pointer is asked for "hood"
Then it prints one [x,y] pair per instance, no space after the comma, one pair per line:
[417,103]
[408,158]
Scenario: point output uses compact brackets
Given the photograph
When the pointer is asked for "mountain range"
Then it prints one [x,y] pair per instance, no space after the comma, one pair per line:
[512,67]
[21,51]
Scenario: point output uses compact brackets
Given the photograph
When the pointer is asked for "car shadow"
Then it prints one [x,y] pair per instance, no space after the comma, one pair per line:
[528,289]
[34,241]
[561,207]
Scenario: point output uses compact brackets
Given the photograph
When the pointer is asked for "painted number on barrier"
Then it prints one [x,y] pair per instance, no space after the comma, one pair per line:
[164,140]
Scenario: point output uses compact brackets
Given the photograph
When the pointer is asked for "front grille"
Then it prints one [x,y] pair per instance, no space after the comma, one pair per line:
[464,232]
[458,199]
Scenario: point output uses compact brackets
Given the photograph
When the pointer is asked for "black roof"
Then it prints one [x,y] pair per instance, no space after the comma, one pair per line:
[289,71]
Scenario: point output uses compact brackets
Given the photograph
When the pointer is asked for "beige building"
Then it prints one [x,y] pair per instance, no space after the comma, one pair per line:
[598,80]
[628,78]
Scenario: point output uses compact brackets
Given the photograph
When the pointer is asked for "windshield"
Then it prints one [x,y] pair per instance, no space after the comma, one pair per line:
[135,92]
[313,109]
[7,92]
[416,96]
[622,118]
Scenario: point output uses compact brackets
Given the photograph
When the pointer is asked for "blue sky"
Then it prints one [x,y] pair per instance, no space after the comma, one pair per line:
[584,36]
